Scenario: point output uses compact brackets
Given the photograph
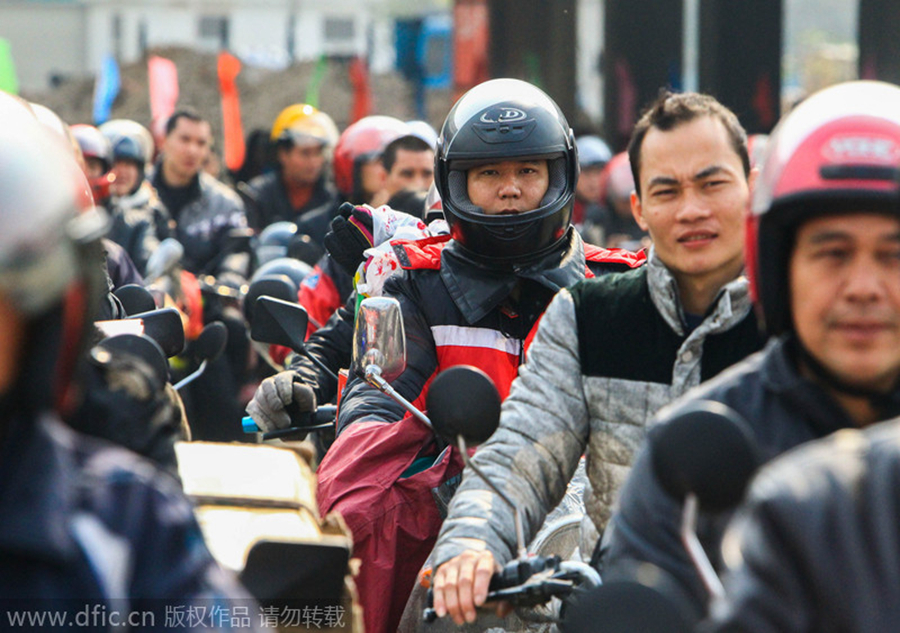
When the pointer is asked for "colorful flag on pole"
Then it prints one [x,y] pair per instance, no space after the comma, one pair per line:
[8,81]
[163,82]
[106,89]
[233,132]
[312,90]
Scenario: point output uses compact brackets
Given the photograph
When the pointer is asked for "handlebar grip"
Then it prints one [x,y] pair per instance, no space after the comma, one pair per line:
[518,571]
[515,584]
[325,413]
[321,418]
[429,615]
[297,415]
[249,425]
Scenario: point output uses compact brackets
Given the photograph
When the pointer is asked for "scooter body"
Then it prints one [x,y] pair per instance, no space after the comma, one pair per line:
[257,508]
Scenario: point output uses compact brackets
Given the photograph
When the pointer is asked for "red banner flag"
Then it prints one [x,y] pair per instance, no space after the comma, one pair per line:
[362,93]
[163,81]
[233,132]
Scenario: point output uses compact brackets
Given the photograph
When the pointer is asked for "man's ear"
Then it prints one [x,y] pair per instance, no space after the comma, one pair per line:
[751,179]
[637,211]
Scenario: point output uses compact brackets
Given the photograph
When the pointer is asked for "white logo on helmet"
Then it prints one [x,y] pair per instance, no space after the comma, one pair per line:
[867,149]
[503,115]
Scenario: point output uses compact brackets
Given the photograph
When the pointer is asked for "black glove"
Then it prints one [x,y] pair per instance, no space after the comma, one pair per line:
[350,235]
[128,402]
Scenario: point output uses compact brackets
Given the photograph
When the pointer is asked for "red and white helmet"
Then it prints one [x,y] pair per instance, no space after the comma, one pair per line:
[96,146]
[93,144]
[837,152]
[616,181]
[361,142]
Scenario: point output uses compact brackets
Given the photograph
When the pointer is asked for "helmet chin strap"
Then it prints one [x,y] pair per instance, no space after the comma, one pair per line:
[880,401]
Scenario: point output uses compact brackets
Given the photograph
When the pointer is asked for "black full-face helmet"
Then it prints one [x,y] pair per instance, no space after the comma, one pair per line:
[498,120]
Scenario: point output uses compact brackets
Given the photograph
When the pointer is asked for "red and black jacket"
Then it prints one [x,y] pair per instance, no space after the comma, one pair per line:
[457,311]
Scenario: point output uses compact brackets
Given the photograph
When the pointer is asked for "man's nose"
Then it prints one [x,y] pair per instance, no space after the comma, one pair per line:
[864,280]
[693,207]
[509,188]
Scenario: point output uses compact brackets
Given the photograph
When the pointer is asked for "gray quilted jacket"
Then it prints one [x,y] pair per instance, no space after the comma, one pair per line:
[608,353]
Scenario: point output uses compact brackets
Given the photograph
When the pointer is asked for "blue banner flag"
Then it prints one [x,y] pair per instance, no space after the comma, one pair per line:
[106,89]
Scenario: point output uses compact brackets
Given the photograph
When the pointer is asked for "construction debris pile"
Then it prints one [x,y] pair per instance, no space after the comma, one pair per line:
[263,92]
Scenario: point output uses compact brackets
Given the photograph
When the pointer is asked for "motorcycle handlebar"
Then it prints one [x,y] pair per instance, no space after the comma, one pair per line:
[321,418]
[528,582]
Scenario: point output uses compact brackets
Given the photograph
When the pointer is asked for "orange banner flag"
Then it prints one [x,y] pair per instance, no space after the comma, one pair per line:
[163,81]
[362,92]
[233,132]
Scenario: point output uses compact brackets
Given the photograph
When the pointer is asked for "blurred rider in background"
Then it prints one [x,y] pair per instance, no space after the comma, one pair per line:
[140,221]
[299,190]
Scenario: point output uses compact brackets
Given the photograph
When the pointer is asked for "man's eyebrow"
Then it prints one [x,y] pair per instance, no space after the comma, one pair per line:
[712,170]
[836,235]
[666,181]
[828,236]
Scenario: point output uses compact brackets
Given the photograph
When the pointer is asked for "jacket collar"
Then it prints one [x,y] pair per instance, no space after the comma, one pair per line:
[139,198]
[196,185]
[781,373]
[731,304]
[477,290]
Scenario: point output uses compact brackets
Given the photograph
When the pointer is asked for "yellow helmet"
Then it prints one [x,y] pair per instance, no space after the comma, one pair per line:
[302,122]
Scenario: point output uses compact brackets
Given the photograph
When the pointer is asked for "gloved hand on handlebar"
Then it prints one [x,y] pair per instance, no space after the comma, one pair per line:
[269,405]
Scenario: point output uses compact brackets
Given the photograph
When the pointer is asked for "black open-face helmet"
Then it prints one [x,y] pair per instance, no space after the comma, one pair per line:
[498,120]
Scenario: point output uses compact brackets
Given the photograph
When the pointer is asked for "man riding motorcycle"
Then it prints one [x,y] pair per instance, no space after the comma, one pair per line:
[299,189]
[140,221]
[359,176]
[83,521]
[506,171]
[822,257]
[612,351]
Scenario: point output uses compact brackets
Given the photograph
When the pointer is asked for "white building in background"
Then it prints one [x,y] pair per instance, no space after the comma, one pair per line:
[55,39]
[52,40]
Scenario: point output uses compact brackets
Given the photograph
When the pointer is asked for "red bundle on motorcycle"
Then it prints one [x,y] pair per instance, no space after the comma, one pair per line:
[376,481]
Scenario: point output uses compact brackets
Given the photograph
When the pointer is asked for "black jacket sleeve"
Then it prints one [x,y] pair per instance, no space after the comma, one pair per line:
[332,344]
[360,401]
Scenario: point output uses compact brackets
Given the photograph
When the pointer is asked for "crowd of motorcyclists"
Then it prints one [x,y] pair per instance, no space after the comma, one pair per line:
[603,292]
